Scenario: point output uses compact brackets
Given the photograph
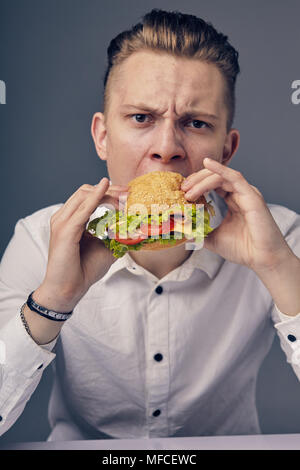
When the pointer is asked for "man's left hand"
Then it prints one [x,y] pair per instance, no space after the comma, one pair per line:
[248,234]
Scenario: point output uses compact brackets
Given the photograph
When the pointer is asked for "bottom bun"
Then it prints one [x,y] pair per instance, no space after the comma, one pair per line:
[159,246]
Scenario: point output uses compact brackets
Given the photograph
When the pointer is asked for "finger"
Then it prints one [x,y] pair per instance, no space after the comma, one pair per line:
[117,202]
[112,196]
[211,182]
[75,201]
[195,177]
[234,177]
[118,187]
[82,214]
[115,190]
[72,203]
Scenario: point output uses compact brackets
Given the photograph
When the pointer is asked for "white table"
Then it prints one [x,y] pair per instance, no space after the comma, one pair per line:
[255,442]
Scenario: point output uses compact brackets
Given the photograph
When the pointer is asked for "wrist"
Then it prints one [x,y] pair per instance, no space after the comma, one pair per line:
[41,330]
[54,301]
[277,263]
[283,284]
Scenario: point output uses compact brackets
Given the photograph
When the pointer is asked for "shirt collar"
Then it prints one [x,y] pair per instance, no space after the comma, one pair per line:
[202,259]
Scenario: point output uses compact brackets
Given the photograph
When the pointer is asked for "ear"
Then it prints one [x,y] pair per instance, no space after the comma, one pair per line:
[99,133]
[231,145]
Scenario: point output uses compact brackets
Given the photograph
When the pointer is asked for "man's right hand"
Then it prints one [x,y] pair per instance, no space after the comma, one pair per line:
[76,259]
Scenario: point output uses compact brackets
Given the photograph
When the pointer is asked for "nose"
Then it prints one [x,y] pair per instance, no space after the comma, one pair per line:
[167,145]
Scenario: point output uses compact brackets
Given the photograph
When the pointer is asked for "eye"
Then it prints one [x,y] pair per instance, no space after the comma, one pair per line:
[199,124]
[140,118]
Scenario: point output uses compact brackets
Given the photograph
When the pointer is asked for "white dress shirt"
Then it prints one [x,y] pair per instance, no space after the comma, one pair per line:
[135,361]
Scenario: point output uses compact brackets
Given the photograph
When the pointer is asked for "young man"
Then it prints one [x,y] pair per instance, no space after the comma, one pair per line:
[165,343]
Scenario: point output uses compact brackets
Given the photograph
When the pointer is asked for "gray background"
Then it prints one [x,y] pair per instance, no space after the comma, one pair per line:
[52,59]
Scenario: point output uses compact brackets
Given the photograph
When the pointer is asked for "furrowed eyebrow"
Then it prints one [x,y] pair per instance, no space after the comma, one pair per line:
[140,107]
[188,114]
[193,113]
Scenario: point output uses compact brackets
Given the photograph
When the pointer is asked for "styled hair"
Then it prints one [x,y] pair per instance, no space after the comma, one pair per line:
[181,35]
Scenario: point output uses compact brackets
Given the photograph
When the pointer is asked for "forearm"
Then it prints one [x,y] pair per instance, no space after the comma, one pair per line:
[283,283]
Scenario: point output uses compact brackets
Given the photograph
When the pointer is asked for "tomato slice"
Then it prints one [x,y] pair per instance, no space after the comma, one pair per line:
[146,231]
[129,241]
[126,241]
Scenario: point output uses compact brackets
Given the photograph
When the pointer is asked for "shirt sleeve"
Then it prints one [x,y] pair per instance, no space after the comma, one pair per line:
[288,328]
[22,360]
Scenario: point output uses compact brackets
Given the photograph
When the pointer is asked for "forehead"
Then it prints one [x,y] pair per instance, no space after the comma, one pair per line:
[163,80]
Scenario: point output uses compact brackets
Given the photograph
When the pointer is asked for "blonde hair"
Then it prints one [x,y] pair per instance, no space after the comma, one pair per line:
[181,35]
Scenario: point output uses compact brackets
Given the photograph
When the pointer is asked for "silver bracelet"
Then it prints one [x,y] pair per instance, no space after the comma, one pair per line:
[24,319]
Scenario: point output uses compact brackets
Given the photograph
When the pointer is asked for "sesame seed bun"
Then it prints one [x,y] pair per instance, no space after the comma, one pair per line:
[156,187]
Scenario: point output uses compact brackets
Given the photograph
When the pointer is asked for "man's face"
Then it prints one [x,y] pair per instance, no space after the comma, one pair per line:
[164,114]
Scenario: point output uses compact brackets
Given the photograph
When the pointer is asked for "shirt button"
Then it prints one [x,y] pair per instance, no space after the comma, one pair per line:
[40,366]
[158,357]
[159,290]
[156,413]
[292,338]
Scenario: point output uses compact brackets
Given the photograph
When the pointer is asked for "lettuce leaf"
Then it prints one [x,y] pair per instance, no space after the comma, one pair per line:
[116,222]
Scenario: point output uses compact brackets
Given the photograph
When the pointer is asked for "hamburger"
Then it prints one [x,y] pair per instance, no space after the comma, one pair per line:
[156,216]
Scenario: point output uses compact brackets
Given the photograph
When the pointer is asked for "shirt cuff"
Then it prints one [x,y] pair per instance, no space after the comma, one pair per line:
[288,329]
[22,362]
[22,354]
